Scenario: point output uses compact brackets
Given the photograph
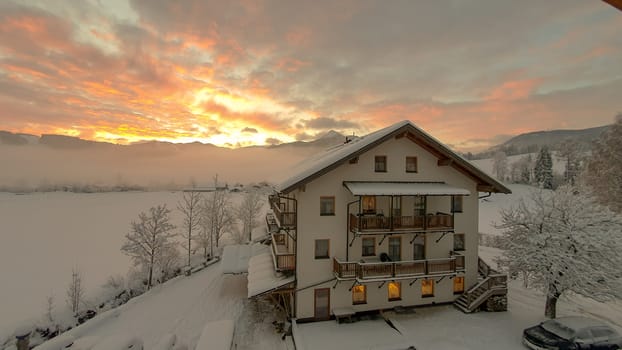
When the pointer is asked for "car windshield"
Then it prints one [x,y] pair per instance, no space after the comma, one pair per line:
[558,329]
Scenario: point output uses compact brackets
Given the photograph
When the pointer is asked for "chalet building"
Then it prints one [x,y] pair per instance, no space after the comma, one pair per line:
[383,221]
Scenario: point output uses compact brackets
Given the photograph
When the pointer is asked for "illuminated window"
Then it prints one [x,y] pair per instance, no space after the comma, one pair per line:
[458,285]
[369,246]
[321,248]
[380,164]
[369,204]
[395,291]
[411,164]
[458,242]
[359,294]
[456,204]
[327,206]
[427,288]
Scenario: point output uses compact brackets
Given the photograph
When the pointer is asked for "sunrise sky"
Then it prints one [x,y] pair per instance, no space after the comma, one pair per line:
[260,72]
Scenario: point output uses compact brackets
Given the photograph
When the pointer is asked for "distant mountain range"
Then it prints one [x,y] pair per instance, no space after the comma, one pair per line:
[532,141]
[331,138]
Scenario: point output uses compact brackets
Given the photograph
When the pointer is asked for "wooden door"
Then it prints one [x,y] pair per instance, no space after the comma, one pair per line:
[322,304]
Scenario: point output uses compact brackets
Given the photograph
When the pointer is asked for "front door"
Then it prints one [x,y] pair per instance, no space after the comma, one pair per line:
[322,304]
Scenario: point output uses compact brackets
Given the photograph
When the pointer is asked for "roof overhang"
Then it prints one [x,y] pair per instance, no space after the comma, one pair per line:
[369,188]
[262,278]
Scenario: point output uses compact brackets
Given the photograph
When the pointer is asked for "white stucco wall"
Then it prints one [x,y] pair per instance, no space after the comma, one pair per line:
[312,226]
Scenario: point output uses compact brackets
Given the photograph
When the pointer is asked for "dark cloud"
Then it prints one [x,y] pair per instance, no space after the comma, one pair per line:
[273,141]
[249,130]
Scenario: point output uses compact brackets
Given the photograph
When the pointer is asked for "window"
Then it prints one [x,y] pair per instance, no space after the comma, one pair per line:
[380,164]
[456,204]
[327,206]
[321,248]
[419,248]
[419,205]
[458,285]
[359,294]
[397,209]
[369,246]
[427,288]
[395,291]
[458,242]
[411,164]
[369,204]
[395,248]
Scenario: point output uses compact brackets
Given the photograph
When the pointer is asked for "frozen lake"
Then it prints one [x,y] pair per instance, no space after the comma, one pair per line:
[44,235]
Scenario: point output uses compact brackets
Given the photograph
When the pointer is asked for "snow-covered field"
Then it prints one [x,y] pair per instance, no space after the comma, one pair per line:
[44,235]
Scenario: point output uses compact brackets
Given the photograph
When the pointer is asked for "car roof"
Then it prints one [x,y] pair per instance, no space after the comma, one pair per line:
[578,322]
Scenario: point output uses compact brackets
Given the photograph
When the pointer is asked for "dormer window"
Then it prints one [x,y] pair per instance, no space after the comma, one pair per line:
[380,164]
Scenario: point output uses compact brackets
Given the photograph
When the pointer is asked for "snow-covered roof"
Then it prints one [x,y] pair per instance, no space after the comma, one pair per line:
[320,164]
[235,258]
[403,188]
[261,274]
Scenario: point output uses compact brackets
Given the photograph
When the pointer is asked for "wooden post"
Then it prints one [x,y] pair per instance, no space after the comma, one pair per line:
[23,341]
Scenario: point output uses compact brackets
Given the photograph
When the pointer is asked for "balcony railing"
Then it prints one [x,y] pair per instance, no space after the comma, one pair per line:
[284,260]
[286,218]
[371,271]
[375,223]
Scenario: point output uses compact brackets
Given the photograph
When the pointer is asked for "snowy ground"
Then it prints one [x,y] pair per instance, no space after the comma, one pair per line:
[183,306]
[44,235]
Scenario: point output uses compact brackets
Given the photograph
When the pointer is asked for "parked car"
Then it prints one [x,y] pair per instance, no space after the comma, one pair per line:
[572,333]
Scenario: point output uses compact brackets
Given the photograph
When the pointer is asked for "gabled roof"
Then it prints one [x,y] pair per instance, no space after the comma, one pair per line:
[334,157]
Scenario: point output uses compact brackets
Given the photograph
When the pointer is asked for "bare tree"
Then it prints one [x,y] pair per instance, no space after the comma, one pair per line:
[75,291]
[49,309]
[605,166]
[563,241]
[500,165]
[216,219]
[571,152]
[168,261]
[148,238]
[190,208]
[248,212]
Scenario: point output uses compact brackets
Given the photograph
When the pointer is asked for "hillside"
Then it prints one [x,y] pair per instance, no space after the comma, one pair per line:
[531,142]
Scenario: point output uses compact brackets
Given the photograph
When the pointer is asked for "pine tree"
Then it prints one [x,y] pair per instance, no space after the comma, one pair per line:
[543,171]
[604,170]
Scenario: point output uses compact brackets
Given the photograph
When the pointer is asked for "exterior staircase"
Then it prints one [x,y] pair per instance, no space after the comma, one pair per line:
[491,283]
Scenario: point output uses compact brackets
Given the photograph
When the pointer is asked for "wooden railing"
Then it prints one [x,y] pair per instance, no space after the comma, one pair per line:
[494,284]
[438,221]
[284,260]
[287,218]
[389,270]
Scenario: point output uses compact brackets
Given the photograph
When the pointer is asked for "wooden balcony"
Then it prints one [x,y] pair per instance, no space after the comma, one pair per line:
[380,223]
[285,217]
[284,257]
[383,271]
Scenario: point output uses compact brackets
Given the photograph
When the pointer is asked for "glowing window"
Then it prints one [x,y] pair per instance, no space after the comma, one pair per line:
[458,285]
[395,291]
[369,204]
[427,288]
[359,294]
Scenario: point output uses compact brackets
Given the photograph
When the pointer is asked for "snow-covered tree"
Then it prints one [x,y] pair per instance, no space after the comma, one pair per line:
[148,239]
[565,242]
[75,291]
[248,211]
[216,219]
[168,262]
[500,165]
[570,151]
[543,170]
[190,208]
[604,169]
